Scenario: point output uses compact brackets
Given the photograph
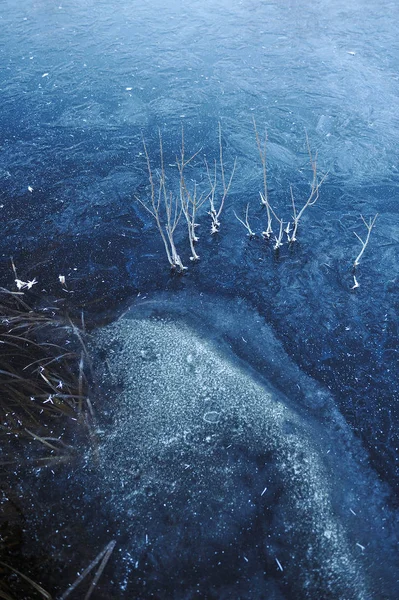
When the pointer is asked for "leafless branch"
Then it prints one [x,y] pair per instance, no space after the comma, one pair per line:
[369,227]
[214,211]
[245,223]
[313,196]
[164,207]
[103,557]
[191,201]
[264,196]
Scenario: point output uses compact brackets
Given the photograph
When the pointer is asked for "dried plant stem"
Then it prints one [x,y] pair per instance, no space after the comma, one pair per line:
[214,211]
[35,585]
[108,551]
[45,442]
[278,240]
[164,208]
[313,196]
[369,227]
[264,196]
[103,557]
[191,202]
[250,233]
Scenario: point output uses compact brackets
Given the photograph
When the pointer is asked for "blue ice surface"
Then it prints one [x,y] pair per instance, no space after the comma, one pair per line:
[82,81]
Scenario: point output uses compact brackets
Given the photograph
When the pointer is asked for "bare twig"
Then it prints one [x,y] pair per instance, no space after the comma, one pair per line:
[214,211]
[191,202]
[313,196]
[264,196]
[45,442]
[250,233]
[104,555]
[369,227]
[35,585]
[164,208]
[278,240]
[287,230]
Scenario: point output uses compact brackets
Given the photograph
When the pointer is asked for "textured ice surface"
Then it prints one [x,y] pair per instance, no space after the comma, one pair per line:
[82,81]
[224,484]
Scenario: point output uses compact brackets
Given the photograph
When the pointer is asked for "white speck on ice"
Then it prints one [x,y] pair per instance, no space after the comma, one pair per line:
[30,188]
[45,74]
[360,546]
[279,564]
[128,89]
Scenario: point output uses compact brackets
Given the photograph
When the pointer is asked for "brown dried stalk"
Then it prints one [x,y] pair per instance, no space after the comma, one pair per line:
[191,202]
[313,196]
[215,211]
[165,208]
[264,196]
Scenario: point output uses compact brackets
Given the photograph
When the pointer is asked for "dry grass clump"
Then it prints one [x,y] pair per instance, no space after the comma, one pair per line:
[45,410]
[42,381]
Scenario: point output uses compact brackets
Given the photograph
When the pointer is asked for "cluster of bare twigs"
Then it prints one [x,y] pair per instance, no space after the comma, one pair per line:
[190,199]
[291,228]
[167,207]
[216,208]
[164,208]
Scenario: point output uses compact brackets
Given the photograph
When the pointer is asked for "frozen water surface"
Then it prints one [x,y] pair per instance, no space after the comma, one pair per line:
[81,82]
[227,485]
